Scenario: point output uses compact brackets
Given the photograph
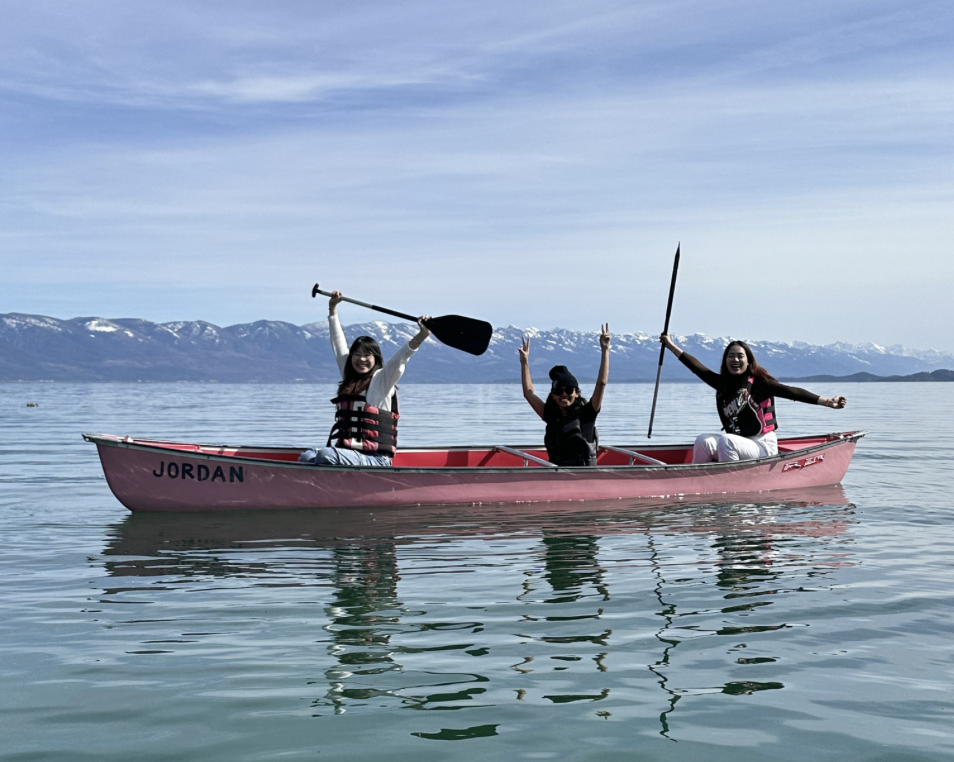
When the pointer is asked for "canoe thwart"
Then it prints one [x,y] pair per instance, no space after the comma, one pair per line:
[633,455]
[527,457]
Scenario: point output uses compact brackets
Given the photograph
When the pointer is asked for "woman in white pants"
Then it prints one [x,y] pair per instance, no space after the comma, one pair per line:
[745,399]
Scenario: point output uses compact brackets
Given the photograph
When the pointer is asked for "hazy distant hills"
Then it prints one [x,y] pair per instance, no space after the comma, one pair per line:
[934,375]
[37,348]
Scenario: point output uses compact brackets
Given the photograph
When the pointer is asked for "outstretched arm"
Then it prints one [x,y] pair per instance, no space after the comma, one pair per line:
[603,378]
[528,394]
[797,394]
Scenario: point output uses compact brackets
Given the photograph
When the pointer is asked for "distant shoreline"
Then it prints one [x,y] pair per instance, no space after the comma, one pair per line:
[855,378]
[934,376]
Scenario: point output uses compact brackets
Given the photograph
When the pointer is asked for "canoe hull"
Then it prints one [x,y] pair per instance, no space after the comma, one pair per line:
[159,477]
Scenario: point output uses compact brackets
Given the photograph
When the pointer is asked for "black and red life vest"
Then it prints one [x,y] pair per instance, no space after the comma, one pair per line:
[363,427]
[741,414]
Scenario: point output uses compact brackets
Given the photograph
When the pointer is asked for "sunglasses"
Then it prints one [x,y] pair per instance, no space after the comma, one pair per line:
[559,391]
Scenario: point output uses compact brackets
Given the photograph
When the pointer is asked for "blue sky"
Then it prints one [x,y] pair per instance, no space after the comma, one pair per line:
[529,163]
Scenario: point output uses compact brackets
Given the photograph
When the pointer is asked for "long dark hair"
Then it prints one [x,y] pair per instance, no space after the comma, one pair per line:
[754,368]
[352,381]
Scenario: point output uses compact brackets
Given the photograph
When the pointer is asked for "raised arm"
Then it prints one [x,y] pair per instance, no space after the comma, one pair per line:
[603,378]
[338,343]
[383,383]
[528,394]
[421,336]
[710,377]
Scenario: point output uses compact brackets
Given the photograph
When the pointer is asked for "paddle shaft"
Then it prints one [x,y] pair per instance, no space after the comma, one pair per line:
[662,349]
[463,333]
[315,291]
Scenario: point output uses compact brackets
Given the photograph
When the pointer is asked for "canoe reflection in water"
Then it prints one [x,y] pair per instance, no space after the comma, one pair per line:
[462,608]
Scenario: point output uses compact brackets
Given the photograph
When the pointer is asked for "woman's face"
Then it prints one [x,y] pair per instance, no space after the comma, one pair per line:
[564,396]
[736,360]
[362,362]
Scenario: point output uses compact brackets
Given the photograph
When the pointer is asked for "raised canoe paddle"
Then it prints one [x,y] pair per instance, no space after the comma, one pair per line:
[662,349]
[463,333]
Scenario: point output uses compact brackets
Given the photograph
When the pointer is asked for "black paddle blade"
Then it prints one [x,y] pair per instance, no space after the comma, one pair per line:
[463,333]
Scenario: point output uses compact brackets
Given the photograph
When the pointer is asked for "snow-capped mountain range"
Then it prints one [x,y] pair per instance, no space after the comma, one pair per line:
[37,348]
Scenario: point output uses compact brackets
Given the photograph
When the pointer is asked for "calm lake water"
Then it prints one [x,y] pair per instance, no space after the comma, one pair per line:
[815,625]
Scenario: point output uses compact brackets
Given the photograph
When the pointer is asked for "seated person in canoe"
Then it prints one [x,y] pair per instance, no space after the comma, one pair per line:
[745,400]
[571,437]
[366,407]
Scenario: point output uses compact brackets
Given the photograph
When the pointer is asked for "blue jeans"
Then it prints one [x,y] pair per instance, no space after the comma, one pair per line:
[333,456]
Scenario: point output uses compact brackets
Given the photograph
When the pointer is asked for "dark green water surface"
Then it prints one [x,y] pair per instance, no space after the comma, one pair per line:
[797,626]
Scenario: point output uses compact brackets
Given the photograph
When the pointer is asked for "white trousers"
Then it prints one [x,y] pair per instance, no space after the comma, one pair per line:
[724,447]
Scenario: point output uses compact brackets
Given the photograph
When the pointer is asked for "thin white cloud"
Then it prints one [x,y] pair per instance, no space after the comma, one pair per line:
[293,88]
[243,53]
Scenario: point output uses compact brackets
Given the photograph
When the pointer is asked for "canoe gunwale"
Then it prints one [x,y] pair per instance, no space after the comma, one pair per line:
[834,439]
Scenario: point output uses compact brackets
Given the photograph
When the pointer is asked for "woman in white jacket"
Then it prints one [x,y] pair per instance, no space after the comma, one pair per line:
[366,409]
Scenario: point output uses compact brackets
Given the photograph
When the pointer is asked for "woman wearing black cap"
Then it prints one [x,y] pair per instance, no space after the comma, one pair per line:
[571,437]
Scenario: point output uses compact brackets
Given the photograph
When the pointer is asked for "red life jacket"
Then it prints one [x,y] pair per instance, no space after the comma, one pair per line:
[740,414]
[363,427]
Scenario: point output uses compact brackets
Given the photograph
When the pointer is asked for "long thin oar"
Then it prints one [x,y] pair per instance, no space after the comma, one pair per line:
[463,333]
[662,349]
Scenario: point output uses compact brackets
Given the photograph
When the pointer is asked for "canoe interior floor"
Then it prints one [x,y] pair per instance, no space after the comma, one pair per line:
[473,457]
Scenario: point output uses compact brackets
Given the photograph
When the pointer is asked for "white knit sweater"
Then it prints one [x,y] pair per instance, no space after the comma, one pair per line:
[383,380]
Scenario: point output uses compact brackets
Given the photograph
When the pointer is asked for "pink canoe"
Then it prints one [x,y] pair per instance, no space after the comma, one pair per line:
[150,475]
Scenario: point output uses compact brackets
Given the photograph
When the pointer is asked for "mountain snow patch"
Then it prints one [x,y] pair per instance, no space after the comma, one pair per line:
[101,326]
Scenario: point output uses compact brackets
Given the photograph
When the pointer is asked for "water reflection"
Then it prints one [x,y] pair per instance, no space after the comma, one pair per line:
[571,568]
[455,609]
[756,553]
[364,608]
[572,563]
[668,613]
